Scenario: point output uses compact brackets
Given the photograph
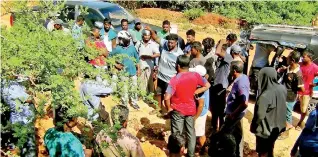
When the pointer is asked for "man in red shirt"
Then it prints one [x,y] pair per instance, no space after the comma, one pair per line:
[180,100]
[309,71]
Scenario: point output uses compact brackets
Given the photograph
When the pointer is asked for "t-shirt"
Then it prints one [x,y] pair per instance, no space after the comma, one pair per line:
[108,37]
[136,35]
[187,48]
[78,35]
[241,87]
[292,80]
[308,72]
[261,55]
[221,73]
[148,49]
[206,97]
[197,61]
[228,57]
[308,139]
[167,62]
[63,144]
[130,53]
[182,88]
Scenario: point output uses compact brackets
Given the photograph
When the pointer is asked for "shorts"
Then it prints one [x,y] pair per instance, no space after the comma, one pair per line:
[266,145]
[161,87]
[304,102]
[199,125]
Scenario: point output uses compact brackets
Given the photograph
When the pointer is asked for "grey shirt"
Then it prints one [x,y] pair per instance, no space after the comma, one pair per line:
[197,61]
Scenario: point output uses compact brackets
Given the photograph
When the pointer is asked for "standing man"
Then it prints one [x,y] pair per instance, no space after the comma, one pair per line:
[148,51]
[167,63]
[128,52]
[125,27]
[108,35]
[77,31]
[309,71]
[292,79]
[211,58]
[236,53]
[269,112]
[190,39]
[166,31]
[196,55]
[180,93]
[136,32]
[237,103]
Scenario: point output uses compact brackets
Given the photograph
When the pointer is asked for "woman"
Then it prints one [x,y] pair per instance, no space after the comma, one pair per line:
[269,113]
[95,41]
[308,139]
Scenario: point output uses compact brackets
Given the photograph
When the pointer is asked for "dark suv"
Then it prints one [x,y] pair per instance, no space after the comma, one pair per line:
[97,11]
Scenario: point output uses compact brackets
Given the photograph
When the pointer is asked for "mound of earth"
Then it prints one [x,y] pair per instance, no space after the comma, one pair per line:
[214,19]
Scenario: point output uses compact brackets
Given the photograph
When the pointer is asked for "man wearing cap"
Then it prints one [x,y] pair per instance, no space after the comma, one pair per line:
[148,51]
[136,32]
[58,25]
[49,23]
[108,35]
[167,62]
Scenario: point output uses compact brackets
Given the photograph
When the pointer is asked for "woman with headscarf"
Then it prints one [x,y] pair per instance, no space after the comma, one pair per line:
[308,139]
[269,114]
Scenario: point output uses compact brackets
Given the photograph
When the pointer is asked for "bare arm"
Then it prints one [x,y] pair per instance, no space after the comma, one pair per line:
[153,35]
[219,49]
[200,108]
[167,101]
[114,43]
[206,86]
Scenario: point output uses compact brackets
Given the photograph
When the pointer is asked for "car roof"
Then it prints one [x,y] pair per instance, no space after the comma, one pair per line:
[92,4]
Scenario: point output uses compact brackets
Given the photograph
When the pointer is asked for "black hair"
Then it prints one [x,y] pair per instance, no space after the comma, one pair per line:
[166,22]
[107,20]
[80,18]
[61,117]
[183,61]
[172,37]
[238,66]
[175,142]
[119,114]
[295,56]
[208,42]
[190,32]
[95,28]
[231,37]
[309,53]
[196,45]
[123,20]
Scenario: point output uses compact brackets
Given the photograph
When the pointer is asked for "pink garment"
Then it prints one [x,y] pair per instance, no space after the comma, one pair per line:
[308,72]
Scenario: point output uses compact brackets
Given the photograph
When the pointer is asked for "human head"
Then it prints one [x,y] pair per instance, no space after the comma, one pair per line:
[176,144]
[208,44]
[196,48]
[119,114]
[138,25]
[166,26]
[307,56]
[58,24]
[231,38]
[61,118]
[190,35]
[183,62]
[235,50]
[172,41]
[237,68]
[124,24]
[80,20]
[124,38]
[95,32]
[293,57]
[146,35]
[107,24]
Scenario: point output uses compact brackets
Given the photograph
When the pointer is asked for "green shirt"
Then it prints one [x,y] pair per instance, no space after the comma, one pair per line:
[136,35]
[162,34]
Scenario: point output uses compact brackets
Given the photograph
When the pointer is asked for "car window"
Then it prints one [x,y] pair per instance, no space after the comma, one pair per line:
[116,14]
[92,17]
[68,13]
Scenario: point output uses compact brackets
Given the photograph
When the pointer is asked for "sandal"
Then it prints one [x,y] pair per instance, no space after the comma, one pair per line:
[298,128]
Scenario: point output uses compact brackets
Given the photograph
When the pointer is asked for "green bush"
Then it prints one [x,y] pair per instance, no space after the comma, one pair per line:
[193,13]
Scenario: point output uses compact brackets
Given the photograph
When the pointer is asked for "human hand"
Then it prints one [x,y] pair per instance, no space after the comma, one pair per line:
[147,28]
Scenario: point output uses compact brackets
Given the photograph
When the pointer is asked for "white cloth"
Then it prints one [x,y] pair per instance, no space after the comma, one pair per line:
[199,125]
[148,49]
[50,26]
[228,58]
[107,42]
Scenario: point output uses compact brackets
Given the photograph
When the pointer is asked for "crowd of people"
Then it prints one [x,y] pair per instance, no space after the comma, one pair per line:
[188,80]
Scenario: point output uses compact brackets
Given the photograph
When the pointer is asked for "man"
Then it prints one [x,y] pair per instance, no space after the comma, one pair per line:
[125,27]
[211,58]
[237,102]
[108,35]
[136,32]
[125,140]
[128,52]
[230,40]
[260,61]
[190,39]
[167,63]
[49,23]
[166,31]
[204,101]
[58,25]
[180,103]
[309,70]
[196,55]
[236,53]
[269,113]
[77,32]
[148,51]
[176,145]
[292,79]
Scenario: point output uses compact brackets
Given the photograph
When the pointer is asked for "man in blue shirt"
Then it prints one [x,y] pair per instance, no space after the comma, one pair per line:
[127,53]
[237,102]
[109,35]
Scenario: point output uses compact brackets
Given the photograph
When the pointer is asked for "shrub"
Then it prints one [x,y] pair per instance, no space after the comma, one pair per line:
[194,13]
